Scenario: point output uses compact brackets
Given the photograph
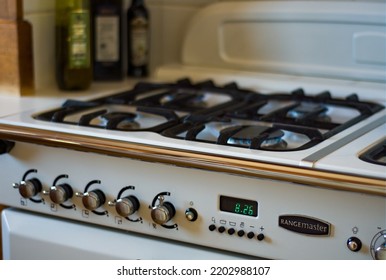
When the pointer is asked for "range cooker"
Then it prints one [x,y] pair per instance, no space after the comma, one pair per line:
[209,159]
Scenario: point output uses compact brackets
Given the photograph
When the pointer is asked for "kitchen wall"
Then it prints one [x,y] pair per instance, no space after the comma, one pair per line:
[169,19]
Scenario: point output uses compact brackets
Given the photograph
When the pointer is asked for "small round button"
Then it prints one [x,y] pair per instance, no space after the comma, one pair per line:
[221,229]
[241,233]
[260,237]
[250,235]
[212,227]
[231,231]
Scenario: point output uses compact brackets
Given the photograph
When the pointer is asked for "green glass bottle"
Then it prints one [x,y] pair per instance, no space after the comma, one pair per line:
[72,42]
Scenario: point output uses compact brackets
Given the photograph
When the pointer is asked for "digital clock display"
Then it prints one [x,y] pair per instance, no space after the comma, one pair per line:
[238,206]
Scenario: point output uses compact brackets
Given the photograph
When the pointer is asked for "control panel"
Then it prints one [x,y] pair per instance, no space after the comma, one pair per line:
[251,216]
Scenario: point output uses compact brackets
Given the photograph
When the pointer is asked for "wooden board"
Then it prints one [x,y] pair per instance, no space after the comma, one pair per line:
[11,9]
[16,57]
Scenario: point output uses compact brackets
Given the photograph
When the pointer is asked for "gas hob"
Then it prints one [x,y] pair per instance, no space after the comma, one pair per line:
[293,127]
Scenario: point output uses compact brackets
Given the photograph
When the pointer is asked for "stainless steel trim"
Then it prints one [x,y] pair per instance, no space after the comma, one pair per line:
[313,158]
[300,175]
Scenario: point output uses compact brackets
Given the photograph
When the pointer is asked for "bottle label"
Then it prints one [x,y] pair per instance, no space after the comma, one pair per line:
[107,38]
[79,39]
[139,42]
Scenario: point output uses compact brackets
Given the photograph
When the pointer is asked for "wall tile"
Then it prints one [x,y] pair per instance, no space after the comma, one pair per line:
[38,6]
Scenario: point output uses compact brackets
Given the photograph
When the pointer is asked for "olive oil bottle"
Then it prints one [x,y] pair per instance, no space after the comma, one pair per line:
[72,40]
[107,39]
[138,35]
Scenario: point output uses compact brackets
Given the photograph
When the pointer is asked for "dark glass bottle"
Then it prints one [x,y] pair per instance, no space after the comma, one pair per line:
[72,40]
[138,35]
[107,39]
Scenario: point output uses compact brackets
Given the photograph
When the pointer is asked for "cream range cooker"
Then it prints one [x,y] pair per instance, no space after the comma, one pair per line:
[267,141]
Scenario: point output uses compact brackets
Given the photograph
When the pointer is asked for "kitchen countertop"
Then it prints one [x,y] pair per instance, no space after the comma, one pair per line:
[42,99]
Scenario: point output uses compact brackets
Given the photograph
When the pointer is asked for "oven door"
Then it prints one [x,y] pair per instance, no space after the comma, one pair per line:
[28,235]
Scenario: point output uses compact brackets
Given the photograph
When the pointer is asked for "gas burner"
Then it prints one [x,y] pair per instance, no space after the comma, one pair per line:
[184,99]
[252,135]
[188,97]
[376,154]
[265,138]
[311,110]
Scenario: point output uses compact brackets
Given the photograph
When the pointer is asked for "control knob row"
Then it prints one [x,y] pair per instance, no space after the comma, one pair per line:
[32,187]
[92,200]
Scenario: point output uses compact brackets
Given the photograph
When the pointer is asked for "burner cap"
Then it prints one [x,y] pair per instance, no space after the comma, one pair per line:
[188,98]
[309,109]
[266,137]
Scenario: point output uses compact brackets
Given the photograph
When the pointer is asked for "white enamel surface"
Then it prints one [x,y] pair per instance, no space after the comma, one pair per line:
[346,159]
[71,240]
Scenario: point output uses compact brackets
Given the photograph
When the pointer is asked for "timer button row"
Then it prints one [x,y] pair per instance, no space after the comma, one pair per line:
[240,233]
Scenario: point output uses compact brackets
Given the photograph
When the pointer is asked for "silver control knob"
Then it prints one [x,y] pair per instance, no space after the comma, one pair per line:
[125,206]
[60,193]
[378,246]
[163,212]
[380,251]
[28,188]
[92,199]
